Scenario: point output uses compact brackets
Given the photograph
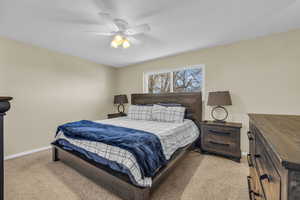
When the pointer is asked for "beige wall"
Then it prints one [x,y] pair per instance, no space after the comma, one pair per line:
[263,75]
[51,88]
[48,89]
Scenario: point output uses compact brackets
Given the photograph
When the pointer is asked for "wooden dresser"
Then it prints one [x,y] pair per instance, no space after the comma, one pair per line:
[4,107]
[274,157]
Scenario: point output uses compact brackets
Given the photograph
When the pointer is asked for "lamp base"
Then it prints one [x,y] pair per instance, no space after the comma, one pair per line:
[215,118]
[123,108]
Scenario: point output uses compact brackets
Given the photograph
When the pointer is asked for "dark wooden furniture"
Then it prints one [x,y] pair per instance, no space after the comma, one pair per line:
[4,107]
[221,138]
[114,115]
[274,157]
[120,183]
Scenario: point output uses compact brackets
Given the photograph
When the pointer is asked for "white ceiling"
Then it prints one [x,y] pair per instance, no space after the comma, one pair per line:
[177,25]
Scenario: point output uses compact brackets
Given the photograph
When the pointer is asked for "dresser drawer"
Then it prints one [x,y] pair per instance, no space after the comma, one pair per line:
[260,193]
[268,175]
[251,139]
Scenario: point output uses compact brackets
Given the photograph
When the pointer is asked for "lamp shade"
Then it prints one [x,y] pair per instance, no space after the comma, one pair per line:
[221,98]
[120,99]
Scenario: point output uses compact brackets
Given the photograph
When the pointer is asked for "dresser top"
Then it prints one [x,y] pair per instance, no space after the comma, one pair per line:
[282,133]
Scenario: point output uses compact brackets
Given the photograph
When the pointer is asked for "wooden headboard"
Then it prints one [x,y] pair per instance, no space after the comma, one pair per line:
[191,100]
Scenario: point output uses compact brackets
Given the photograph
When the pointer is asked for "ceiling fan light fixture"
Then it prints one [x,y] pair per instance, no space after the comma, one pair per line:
[114,44]
[122,31]
[126,44]
[118,39]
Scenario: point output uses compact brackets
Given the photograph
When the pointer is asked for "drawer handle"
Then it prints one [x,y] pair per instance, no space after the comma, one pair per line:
[249,186]
[255,193]
[249,160]
[250,190]
[250,138]
[257,156]
[219,132]
[264,176]
[217,143]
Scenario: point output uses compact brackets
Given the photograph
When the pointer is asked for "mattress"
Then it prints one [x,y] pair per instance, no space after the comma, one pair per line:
[171,135]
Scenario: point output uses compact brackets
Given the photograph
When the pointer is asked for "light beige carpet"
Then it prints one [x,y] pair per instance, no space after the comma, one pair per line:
[199,177]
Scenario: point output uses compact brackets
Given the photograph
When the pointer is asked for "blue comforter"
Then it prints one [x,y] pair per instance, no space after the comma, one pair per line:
[145,146]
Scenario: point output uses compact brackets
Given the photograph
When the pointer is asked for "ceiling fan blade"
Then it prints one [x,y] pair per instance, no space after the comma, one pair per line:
[133,40]
[107,18]
[102,33]
[137,29]
[120,24]
[106,34]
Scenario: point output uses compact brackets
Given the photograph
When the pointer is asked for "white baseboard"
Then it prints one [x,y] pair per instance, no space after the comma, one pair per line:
[26,153]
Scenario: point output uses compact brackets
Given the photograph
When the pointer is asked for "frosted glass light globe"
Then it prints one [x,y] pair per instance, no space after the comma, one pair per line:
[126,44]
[114,44]
[118,39]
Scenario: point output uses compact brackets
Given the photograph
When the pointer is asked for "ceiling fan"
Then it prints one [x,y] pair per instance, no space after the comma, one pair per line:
[123,34]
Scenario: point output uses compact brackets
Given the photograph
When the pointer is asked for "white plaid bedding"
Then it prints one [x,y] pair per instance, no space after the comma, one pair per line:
[140,112]
[172,137]
[168,114]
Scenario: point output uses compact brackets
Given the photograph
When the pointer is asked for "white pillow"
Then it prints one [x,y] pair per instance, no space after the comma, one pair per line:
[168,114]
[140,112]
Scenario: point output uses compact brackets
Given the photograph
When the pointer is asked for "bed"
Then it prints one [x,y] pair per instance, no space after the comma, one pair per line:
[174,148]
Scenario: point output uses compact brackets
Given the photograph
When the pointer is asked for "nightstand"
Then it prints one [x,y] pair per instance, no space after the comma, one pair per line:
[114,115]
[222,139]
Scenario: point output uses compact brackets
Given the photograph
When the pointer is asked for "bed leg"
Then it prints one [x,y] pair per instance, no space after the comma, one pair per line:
[55,154]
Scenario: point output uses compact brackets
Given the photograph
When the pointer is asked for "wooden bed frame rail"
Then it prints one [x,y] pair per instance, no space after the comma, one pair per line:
[112,182]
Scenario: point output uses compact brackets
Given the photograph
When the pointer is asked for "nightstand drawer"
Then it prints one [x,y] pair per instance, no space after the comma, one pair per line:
[226,133]
[222,130]
[219,145]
